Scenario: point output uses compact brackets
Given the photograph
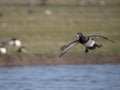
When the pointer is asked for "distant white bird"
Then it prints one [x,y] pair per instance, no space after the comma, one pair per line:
[87,41]
[12,42]
[48,12]
[102,2]
[16,42]
[3,50]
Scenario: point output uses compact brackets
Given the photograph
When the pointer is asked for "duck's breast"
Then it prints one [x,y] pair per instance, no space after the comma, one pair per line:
[89,43]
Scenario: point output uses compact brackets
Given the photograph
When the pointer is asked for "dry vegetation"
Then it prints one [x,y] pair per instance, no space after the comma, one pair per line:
[23,60]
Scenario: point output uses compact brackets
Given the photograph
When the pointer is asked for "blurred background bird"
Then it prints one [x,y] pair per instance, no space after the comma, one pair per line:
[12,42]
[22,49]
[3,50]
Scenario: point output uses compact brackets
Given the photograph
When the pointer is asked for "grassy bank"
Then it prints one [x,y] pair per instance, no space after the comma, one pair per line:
[45,34]
[23,60]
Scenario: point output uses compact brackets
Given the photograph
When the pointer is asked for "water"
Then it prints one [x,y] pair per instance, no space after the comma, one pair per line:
[66,77]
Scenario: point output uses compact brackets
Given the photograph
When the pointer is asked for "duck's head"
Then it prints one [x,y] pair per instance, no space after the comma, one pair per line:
[13,39]
[79,35]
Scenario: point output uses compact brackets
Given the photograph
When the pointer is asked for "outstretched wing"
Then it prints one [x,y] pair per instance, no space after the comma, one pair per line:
[98,36]
[67,47]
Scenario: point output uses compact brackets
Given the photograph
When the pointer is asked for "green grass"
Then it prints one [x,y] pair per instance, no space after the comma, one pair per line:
[45,34]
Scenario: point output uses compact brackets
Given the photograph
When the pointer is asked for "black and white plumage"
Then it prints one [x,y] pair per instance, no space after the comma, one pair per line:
[87,41]
[12,42]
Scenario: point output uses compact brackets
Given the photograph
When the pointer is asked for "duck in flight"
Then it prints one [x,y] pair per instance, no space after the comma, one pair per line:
[87,41]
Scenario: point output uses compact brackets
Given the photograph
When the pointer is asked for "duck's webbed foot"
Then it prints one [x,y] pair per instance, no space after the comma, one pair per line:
[98,45]
[86,50]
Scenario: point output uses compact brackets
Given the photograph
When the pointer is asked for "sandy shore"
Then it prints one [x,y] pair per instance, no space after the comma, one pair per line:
[23,60]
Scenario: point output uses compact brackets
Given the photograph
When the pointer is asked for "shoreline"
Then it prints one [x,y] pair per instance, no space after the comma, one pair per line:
[28,60]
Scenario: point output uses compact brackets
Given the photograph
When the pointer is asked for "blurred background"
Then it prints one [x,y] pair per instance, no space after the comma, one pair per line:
[45,25]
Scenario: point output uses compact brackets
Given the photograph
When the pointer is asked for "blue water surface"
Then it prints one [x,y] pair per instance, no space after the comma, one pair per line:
[62,77]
